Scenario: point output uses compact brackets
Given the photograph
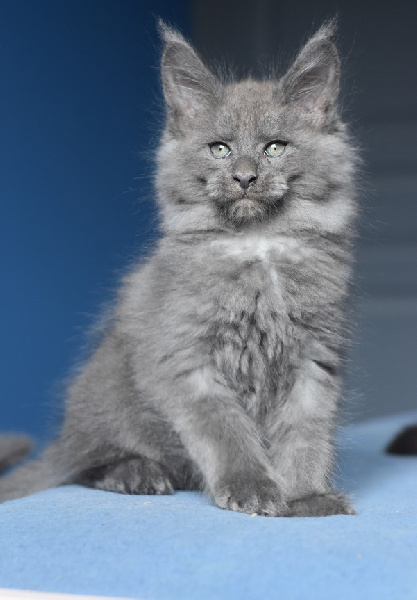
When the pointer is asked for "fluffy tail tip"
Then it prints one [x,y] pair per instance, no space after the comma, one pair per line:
[13,449]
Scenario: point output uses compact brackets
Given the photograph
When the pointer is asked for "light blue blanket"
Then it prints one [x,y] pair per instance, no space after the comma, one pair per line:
[181,547]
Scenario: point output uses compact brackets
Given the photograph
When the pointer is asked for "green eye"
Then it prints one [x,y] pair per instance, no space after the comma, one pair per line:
[220,150]
[275,149]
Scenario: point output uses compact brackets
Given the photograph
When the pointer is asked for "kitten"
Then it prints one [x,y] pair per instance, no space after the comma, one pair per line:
[220,367]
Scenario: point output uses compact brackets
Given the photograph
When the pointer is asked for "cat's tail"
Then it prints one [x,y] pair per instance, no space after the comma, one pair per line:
[51,470]
[13,449]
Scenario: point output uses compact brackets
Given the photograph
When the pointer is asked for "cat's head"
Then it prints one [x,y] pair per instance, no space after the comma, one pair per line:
[254,154]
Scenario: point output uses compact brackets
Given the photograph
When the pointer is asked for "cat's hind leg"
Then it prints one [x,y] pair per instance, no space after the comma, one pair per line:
[136,475]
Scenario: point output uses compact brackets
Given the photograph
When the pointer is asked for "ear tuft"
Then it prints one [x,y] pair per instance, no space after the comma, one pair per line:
[312,82]
[168,34]
[188,85]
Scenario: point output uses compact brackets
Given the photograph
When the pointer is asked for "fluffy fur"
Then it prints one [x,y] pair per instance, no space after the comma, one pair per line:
[220,367]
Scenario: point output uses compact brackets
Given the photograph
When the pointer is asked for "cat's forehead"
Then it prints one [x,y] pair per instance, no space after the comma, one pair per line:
[250,106]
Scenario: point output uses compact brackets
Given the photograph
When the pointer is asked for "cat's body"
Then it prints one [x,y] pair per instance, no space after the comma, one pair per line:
[220,366]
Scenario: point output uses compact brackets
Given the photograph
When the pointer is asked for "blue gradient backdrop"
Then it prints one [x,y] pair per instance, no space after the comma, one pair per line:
[80,111]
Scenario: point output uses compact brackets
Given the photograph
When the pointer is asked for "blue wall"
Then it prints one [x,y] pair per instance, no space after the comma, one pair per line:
[80,108]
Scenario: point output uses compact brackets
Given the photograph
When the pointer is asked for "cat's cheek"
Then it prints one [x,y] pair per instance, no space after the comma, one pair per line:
[278,186]
[217,188]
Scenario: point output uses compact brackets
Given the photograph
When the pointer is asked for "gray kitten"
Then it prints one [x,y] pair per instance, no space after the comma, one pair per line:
[220,367]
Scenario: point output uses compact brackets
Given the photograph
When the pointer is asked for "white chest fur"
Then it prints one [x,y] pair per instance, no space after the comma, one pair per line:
[250,247]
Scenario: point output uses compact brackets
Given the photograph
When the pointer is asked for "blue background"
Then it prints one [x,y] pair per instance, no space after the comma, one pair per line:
[81,112]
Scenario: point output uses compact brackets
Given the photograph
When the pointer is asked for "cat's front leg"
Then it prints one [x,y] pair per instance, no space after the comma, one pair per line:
[301,433]
[224,443]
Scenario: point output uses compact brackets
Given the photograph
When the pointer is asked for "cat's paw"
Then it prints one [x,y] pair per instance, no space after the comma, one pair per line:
[250,494]
[322,505]
[134,476]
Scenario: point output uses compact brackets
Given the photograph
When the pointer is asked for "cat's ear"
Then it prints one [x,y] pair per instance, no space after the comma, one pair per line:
[312,82]
[188,85]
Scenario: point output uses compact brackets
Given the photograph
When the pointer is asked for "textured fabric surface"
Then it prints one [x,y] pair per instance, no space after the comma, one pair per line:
[82,541]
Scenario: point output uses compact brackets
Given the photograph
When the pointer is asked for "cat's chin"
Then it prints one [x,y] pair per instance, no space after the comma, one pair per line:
[245,211]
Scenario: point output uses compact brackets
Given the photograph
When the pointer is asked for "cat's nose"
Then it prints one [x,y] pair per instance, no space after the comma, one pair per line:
[245,172]
[245,179]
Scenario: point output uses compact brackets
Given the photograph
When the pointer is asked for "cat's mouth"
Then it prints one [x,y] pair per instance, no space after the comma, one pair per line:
[245,207]
[245,197]
[248,196]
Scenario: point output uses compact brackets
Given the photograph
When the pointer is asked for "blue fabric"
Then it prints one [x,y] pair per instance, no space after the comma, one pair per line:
[84,541]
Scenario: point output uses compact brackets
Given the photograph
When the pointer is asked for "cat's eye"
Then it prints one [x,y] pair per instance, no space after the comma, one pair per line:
[220,150]
[275,149]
